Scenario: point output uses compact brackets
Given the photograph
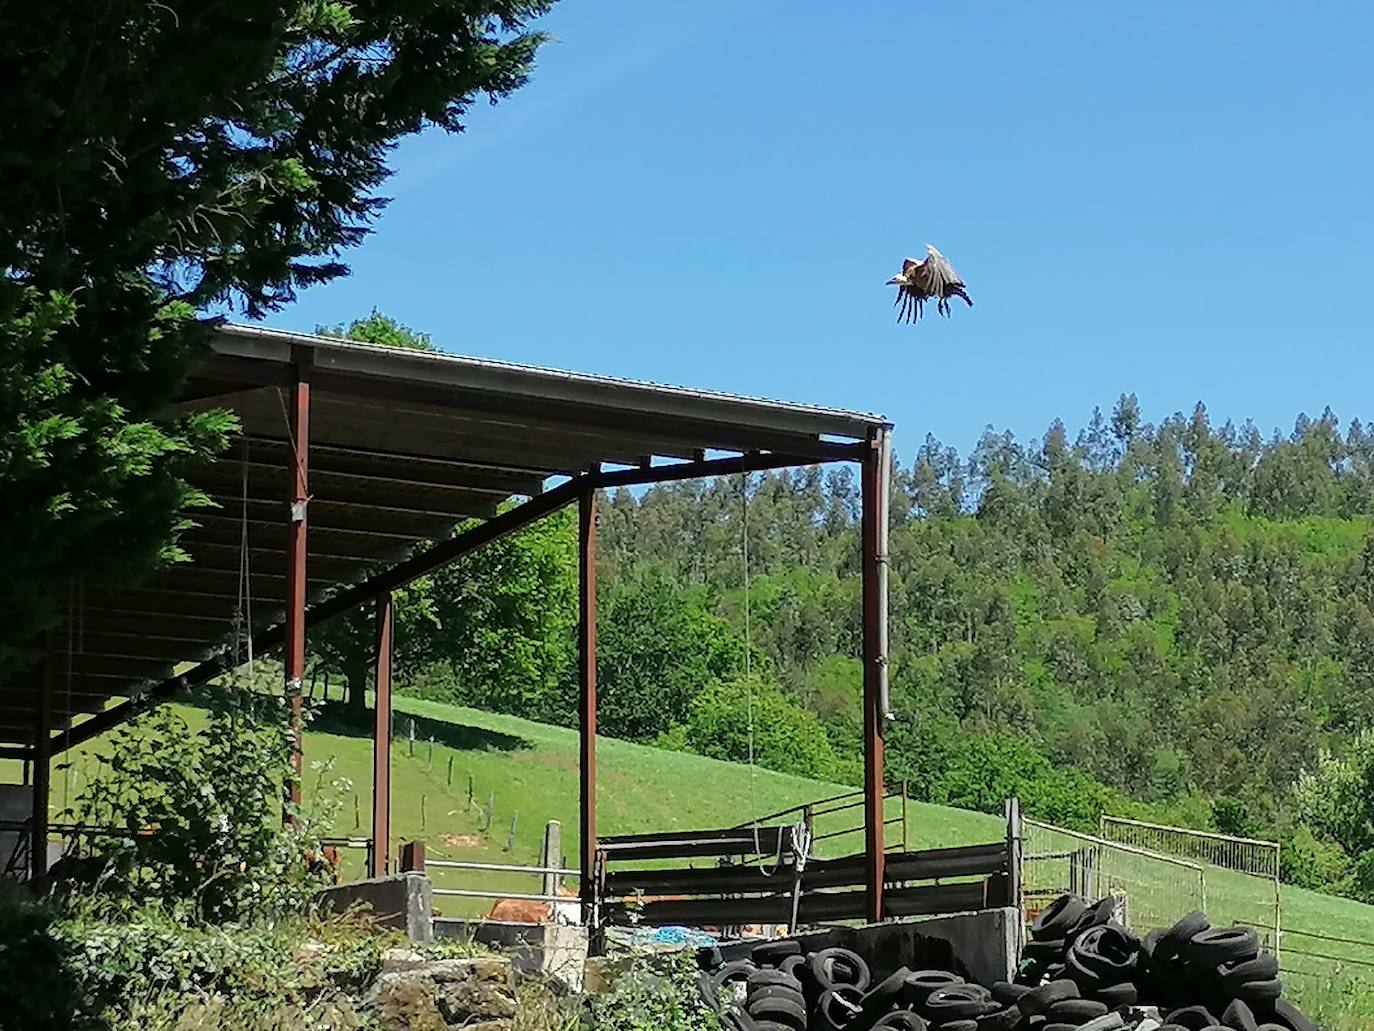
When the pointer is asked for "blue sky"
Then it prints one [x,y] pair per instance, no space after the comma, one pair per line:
[1168,198]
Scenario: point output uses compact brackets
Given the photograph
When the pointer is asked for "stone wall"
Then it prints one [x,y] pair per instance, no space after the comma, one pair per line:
[413,993]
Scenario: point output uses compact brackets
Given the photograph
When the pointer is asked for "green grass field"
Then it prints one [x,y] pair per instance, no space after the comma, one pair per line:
[527,773]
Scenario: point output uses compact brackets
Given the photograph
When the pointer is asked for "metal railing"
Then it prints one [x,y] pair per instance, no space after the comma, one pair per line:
[809,812]
[475,893]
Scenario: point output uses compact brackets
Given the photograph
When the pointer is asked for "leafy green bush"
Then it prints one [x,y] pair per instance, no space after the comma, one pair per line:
[71,963]
[201,813]
[655,994]
[786,737]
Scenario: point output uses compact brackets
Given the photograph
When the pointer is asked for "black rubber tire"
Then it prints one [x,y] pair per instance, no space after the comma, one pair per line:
[793,965]
[887,995]
[959,1025]
[901,1020]
[1048,951]
[1076,971]
[1218,945]
[921,983]
[959,1002]
[1100,912]
[1075,1011]
[835,1008]
[832,968]
[735,1019]
[1260,993]
[770,954]
[1289,1014]
[1106,950]
[1173,941]
[738,970]
[1261,968]
[710,959]
[1239,1017]
[1106,1022]
[1058,1027]
[1116,995]
[776,991]
[791,1012]
[1003,1020]
[1058,918]
[772,1025]
[1148,943]
[1056,972]
[707,991]
[766,977]
[1007,993]
[1037,1002]
[1274,1027]
[1195,1018]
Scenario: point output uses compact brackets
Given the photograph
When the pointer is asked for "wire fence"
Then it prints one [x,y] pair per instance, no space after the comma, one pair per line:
[1152,888]
[1242,873]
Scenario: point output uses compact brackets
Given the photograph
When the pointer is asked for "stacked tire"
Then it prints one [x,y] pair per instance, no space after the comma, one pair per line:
[781,989]
[1083,969]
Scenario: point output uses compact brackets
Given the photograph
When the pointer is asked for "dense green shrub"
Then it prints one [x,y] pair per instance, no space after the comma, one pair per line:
[655,994]
[70,964]
[201,813]
[786,737]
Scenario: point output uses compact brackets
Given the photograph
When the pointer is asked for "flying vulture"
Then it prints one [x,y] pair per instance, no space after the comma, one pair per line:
[919,281]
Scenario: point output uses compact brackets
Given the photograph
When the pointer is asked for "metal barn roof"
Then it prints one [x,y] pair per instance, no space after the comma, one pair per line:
[403,445]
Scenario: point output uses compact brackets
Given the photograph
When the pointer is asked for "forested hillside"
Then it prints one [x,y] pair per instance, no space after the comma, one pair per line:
[1172,620]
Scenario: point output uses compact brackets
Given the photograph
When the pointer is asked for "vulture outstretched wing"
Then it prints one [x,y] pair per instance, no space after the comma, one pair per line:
[919,281]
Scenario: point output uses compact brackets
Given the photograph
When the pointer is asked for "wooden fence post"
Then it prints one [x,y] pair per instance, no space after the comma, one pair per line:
[413,857]
[552,856]
[1015,867]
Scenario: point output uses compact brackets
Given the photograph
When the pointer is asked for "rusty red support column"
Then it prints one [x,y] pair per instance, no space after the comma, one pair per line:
[42,767]
[381,738]
[586,666]
[293,660]
[874,667]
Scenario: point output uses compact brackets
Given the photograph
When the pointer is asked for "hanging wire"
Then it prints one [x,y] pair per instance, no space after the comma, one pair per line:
[243,608]
[67,715]
[749,675]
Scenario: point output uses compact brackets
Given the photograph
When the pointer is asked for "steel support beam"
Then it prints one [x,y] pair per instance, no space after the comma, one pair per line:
[381,738]
[427,561]
[754,461]
[586,668]
[873,479]
[42,768]
[293,661]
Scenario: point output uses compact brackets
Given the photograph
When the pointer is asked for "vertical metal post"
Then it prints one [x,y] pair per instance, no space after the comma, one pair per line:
[294,657]
[381,738]
[586,665]
[42,766]
[874,667]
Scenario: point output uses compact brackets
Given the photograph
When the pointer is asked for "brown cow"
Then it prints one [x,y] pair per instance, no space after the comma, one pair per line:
[532,911]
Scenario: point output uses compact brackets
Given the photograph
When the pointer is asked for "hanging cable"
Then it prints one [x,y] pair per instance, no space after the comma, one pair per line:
[243,608]
[749,675]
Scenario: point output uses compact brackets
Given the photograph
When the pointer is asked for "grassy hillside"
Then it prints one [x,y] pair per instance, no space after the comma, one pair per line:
[527,772]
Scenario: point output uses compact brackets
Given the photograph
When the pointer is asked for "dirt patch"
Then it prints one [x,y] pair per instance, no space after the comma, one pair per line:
[461,840]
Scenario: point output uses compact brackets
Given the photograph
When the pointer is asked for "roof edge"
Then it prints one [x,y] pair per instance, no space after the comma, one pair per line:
[541,383]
